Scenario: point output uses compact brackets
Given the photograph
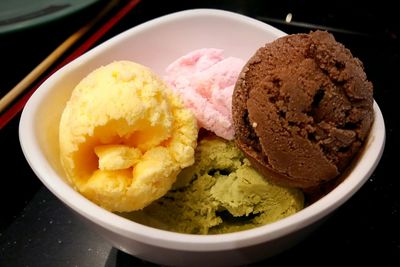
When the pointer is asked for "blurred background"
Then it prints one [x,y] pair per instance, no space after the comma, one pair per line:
[370,29]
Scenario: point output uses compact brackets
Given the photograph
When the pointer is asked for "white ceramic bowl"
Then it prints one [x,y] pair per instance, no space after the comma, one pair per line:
[155,44]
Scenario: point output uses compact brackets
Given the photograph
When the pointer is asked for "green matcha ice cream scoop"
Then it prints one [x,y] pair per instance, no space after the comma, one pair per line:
[220,193]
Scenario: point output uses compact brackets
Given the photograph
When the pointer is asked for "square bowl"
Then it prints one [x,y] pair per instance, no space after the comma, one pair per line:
[155,44]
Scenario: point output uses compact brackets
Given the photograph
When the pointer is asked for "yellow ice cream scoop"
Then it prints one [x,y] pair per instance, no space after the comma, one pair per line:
[124,137]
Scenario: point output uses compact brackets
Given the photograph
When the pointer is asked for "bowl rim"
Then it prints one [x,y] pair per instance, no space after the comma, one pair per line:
[178,241]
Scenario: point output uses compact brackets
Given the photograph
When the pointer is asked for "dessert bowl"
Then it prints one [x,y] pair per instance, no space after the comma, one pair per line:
[155,44]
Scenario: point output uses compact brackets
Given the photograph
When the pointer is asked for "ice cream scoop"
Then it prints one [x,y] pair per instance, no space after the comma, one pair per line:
[302,108]
[204,79]
[220,193]
[124,136]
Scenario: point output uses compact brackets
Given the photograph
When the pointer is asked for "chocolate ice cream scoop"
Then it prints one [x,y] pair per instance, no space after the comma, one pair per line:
[302,108]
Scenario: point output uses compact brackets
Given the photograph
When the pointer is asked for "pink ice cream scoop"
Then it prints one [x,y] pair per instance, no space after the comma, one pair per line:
[205,80]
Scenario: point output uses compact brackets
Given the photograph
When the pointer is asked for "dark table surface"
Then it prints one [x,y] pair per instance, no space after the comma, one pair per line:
[36,229]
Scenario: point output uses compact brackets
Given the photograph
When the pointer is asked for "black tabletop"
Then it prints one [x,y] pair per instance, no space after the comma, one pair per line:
[36,229]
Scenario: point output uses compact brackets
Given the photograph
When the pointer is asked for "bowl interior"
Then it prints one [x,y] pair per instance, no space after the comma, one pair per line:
[156,44]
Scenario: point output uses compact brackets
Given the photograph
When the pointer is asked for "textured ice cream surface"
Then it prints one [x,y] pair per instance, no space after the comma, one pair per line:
[220,193]
[124,136]
[302,108]
[204,79]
